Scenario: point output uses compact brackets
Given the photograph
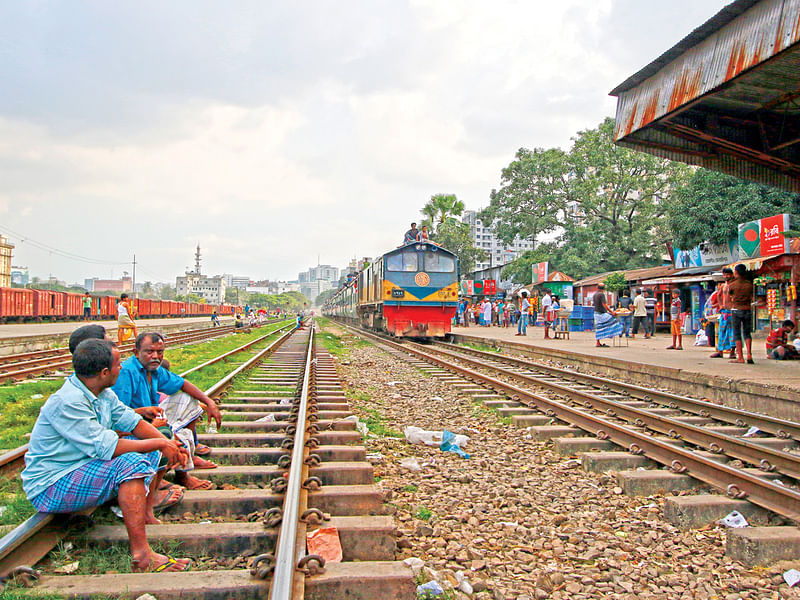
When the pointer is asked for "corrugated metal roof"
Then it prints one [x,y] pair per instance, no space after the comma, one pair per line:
[630,275]
[724,97]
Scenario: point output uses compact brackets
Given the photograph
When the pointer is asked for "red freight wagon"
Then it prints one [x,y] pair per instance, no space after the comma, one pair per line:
[16,303]
[74,305]
[157,307]
[47,304]
[108,307]
[144,307]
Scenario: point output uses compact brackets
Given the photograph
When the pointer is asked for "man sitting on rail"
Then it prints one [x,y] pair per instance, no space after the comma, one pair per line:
[142,379]
[76,460]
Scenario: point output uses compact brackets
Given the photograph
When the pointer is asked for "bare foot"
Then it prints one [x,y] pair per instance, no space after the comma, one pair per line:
[193,483]
[150,519]
[158,563]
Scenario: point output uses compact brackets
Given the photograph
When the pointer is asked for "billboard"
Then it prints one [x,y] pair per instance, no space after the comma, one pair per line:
[706,255]
[764,237]
[539,271]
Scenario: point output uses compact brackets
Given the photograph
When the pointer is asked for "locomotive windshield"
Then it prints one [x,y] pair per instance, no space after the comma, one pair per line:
[436,262]
[402,261]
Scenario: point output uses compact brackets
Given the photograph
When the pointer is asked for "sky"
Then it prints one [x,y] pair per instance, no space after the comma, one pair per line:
[276,134]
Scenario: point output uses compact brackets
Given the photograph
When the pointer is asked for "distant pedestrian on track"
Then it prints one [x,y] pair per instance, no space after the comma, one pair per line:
[411,235]
[639,315]
[605,322]
[675,321]
[87,306]
[126,327]
[725,341]
[215,319]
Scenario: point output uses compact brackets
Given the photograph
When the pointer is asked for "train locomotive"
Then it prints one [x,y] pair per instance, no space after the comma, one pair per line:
[411,291]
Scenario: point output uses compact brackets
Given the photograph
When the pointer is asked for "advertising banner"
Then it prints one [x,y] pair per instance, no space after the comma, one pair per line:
[764,237]
[478,287]
[489,287]
[706,255]
[540,271]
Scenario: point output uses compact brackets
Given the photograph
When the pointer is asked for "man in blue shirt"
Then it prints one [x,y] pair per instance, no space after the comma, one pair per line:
[77,460]
[141,382]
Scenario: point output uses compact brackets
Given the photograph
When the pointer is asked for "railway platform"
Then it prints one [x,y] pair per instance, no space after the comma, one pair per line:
[769,386]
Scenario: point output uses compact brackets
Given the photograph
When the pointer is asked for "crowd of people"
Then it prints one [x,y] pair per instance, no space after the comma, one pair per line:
[727,316]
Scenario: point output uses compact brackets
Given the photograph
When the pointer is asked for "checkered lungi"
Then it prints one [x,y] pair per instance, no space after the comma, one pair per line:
[96,482]
[181,409]
[606,326]
[725,332]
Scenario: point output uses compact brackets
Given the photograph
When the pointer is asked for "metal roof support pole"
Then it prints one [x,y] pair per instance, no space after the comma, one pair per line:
[290,549]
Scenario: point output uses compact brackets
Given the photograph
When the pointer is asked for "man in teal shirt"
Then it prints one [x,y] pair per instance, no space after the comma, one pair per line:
[77,460]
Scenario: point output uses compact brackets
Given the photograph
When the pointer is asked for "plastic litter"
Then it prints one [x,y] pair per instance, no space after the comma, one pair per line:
[37,397]
[643,506]
[463,585]
[393,383]
[205,522]
[325,542]
[68,568]
[450,443]
[375,457]
[417,435]
[791,577]
[266,418]
[751,432]
[701,339]
[285,401]
[508,523]
[117,511]
[429,590]
[437,398]
[411,463]
[734,519]
[211,427]
[415,563]
[360,425]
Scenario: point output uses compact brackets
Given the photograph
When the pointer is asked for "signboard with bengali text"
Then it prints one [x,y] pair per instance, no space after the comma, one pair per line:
[539,271]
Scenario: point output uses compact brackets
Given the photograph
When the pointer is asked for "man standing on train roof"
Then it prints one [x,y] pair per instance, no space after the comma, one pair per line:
[141,380]
[411,235]
[77,460]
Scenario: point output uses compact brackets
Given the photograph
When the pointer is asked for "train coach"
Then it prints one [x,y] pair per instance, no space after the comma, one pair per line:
[409,292]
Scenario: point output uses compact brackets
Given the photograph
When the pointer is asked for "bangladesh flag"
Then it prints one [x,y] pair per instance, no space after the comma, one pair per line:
[749,239]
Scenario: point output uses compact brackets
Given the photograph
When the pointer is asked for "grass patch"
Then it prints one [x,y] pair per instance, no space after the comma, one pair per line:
[423,513]
[95,559]
[481,347]
[410,488]
[17,507]
[372,418]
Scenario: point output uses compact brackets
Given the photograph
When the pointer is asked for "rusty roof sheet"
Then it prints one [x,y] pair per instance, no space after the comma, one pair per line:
[725,97]
[631,275]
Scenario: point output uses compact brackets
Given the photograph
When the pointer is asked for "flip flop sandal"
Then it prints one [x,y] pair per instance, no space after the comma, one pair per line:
[204,485]
[201,463]
[173,497]
[202,450]
[168,564]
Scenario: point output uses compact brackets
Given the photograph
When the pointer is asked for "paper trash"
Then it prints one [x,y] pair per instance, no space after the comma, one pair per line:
[325,542]
[791,577]
[266,418]
[734,520]
[751,432]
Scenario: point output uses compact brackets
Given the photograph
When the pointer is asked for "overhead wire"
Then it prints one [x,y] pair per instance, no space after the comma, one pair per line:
[24,239]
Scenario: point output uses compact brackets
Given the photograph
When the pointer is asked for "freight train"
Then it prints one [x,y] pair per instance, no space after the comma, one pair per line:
[18,305]
[408,292]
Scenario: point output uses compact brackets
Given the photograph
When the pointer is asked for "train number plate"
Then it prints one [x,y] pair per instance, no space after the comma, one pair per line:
[398,293]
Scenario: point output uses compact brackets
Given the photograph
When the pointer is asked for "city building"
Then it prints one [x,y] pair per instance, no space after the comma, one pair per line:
[312,289]
[20,275]
[5,261]
[116,286]
[211,289]
[497,252]
[236,281]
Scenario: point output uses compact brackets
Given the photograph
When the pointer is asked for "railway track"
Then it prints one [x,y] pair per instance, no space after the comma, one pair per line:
[695,440]
[15,367]
[291,463]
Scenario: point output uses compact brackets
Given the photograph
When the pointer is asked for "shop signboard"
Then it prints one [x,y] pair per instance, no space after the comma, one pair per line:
[467,287]
[540,271]
[706,255]
[478,286]
[763,237]
[489,287]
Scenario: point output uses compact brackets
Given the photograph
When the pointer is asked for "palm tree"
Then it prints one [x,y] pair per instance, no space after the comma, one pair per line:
[440,208]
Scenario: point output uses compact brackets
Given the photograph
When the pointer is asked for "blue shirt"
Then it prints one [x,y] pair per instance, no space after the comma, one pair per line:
[135,391]
[74,427]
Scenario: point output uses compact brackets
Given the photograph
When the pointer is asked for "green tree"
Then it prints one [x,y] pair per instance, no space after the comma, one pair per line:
[520,269]
[441,208]
[234,295]
[604,204]
[710,206]
[615,281]
[455,236]
[168,292]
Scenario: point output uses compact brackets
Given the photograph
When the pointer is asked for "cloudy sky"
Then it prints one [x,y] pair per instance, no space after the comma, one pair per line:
[276,132]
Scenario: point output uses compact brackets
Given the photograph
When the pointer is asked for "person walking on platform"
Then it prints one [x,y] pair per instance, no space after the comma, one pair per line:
[524,305]
[605,322]
[675,321]
[741,293]
[547,302]
[725,342]
[639,315]
[650,303]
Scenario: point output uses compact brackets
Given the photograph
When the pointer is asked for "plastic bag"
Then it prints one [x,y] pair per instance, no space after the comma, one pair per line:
[417,435]
[450,443]
[735,520]
[701,339]
[266,418]
[429,590]
[412,464]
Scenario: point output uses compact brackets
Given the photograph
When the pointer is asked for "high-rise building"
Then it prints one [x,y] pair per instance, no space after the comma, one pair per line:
[236,281]
[20,275]
[5,261]
[484,238]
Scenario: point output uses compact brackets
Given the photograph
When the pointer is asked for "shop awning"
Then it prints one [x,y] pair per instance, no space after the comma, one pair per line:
[684,279]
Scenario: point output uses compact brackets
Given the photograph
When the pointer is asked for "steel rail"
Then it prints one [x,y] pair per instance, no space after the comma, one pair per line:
[764,457]
[288,582]
[736,483]
[31,540]
[741,418]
